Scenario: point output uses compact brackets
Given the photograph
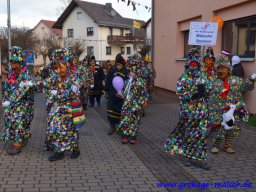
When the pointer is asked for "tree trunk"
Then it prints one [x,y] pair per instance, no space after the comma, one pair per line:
[44,58]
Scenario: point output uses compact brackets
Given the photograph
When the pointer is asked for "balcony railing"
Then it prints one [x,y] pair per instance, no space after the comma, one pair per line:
[119,40]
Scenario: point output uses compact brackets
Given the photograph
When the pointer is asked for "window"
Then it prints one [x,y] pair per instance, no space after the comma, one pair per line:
[186,46]
[108,50]
[121,32]
[122,50]
[90,51]
[110,31]
[79,15]
[89,31]
[70,32]
[128,50]
[239,37]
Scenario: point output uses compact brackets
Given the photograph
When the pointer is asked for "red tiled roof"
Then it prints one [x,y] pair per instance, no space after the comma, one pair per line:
[50,24]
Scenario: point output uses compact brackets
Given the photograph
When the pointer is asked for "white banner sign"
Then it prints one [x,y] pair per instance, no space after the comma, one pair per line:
[203,33]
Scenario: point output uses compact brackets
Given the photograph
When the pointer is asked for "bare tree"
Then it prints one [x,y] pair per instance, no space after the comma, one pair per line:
[45,45]
[144,50]
[64,5]
[76,46]
[21,36]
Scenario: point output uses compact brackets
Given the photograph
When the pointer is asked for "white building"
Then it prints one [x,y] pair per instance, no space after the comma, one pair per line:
[103,31]
[44,31]
[148,27]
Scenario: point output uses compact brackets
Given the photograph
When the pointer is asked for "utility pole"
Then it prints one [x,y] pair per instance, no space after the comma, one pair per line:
[9,32]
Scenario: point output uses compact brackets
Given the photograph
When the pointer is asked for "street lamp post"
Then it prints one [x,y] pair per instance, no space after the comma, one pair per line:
[9,31]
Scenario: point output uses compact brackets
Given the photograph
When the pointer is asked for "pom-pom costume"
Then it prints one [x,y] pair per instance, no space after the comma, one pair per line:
[150,80]
[85,73]
[189,137]
[19,114]
[63,88]
[135,97]
[227,90]
[209,71]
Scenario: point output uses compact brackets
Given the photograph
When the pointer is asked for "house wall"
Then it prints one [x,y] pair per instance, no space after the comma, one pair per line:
[80,31]
[149,37]
[98,40]
[172,17]
[115,49]
[43,31]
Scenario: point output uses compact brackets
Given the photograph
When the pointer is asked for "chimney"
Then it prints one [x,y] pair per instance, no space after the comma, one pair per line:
[108,7]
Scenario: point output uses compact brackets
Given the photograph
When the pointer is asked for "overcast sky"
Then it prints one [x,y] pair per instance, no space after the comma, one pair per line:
[29,12]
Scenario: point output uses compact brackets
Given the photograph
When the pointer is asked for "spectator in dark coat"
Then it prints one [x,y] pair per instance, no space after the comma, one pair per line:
[237,67]
[115,100]
[97,89]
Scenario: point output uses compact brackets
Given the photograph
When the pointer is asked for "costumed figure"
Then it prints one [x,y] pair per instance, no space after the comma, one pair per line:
[144,74]
[188,138]
[135,98]
[114,85]
[18,100]
[209,71]
[65,116]
[81,72]
[88,83]
[227,90]
[48,70]
[150,80]
[97,89]
[144,71]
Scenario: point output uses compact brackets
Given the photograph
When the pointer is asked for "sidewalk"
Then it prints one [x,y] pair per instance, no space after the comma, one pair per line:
[104,164]
[107,165]
[161,117]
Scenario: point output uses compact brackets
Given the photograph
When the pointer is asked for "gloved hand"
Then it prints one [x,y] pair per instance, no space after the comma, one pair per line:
[201,88]
[6,104]
[54,92]
[74,88]
[230,123]
[253,76]
[29,83]
[195,96]
[22,84]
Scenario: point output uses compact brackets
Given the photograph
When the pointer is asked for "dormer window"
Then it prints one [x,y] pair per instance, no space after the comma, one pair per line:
[79,15]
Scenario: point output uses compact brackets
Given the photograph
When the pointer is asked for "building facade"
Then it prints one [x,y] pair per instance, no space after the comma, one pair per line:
[103,32]
[148,27]
[172,19]
[47,36]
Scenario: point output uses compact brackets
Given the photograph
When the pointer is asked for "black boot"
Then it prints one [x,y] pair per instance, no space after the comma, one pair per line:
[56,157]
[75,154]
[112,129]
[84,107]
[187,162]
[13,150]
[203,165]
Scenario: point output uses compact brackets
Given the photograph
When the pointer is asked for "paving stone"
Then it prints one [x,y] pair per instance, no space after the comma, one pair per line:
[107,165]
